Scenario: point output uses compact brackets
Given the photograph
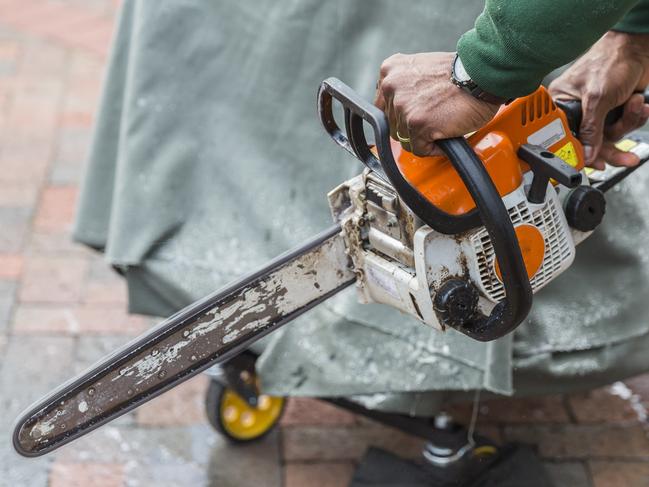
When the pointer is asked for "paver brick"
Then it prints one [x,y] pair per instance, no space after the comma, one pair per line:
[58,244]
[76,320]
[41,56]
[60,22]
[181,406]
[22,194]
[16,471]
[120,444]
[620,474]
[53,280]
[584,441]
[249,465]
[87,474]
[9,50]
[32,366]
[302,411]
[547,409]
[11,266]
[91,348]
[22,164]
[328,474]
[104,285]
[601,405]
[57,209]
[70,157]
[15,224]
[140,474]
[5,317]
[111,292]
[85,66]
[7,294]
[342,443]
[640,385]
[568,474]
[76,118]
[36,100]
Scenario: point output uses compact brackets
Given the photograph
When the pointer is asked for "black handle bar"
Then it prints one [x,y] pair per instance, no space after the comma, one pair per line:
[572,109]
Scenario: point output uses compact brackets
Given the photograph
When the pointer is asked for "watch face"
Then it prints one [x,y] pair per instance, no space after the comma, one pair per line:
[459,72]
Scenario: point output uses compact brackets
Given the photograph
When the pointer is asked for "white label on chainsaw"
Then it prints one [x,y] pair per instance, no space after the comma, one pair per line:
[548,135]
[375,276]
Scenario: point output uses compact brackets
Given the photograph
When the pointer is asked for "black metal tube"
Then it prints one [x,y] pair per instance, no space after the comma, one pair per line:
[510,312]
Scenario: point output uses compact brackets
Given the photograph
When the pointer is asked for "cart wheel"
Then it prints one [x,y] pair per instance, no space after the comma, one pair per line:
[235,419]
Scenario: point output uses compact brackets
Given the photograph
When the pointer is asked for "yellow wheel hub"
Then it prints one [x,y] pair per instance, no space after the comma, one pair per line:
[485,451]
[244,422]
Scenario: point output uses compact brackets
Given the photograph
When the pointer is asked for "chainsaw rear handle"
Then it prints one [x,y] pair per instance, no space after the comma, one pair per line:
[491,211]
[572,109]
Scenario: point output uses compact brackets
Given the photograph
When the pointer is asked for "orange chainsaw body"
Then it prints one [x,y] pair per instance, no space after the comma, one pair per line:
[532,119]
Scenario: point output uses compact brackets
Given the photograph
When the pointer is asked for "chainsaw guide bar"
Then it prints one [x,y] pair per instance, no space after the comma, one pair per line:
[205,333]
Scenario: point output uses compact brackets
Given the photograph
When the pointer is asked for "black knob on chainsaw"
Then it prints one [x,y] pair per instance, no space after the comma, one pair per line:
[456,302]
[546,165]
[585,208]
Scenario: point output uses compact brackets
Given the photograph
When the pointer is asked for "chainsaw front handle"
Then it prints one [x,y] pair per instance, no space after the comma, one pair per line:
[491,211]
[353,140]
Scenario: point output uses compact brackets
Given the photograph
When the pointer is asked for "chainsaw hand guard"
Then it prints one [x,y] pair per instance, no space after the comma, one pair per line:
[491,211]
[353,140]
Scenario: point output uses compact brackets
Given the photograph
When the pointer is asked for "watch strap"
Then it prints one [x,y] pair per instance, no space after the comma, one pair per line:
[471,87]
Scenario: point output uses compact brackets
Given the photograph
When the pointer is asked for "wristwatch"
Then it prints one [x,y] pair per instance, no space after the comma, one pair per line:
[461,78]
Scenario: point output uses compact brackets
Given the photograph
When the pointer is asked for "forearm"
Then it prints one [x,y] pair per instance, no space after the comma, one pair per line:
[515,44]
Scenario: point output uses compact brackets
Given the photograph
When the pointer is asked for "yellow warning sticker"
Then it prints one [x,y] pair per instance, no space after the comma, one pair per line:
[626,145]
[568,154]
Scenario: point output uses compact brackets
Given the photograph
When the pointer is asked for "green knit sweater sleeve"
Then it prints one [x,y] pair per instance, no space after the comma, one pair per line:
[516,43]
[636,21]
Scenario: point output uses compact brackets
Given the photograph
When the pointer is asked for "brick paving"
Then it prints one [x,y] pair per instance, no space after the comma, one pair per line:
[61,308]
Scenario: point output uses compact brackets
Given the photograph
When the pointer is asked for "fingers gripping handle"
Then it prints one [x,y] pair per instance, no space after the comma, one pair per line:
[572,109]
[509,313]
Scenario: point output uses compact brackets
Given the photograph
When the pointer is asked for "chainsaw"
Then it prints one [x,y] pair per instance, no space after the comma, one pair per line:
[459,241]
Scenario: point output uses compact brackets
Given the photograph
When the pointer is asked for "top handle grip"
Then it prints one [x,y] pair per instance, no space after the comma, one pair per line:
[510,312]
[574,114]
[353,140]
[356,110]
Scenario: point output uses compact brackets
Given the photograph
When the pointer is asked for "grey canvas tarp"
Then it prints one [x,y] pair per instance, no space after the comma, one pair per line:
[209,160]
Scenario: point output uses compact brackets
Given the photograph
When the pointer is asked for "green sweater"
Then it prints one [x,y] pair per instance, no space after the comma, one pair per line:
[516,43]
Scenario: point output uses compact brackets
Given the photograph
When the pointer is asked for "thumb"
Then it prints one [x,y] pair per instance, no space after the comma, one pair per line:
[379,99]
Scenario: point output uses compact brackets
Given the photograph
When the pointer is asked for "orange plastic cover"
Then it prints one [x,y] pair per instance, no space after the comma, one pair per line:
[532,119]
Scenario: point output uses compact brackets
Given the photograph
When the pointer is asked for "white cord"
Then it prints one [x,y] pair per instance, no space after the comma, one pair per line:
[474,418]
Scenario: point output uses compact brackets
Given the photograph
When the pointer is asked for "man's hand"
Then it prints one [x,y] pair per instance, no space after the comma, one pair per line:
[604,78]
[423,105]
